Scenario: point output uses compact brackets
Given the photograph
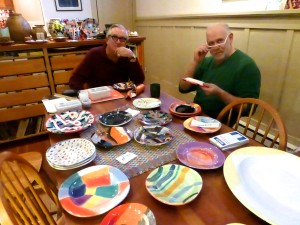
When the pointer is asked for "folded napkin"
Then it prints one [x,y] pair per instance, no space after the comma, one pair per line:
[196,123]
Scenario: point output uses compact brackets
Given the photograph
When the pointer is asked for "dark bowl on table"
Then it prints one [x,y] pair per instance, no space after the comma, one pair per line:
[60,39]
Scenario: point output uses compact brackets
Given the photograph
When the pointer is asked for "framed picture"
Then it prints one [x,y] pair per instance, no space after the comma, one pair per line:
[68,5]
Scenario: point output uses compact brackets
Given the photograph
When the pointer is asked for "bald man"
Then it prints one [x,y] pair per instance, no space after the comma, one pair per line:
[228,73]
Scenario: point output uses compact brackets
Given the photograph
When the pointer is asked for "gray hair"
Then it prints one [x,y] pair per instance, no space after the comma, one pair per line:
[221,25]
[117,26]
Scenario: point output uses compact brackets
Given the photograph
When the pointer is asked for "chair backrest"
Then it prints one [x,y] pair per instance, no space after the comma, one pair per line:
[260,121]
[23,200]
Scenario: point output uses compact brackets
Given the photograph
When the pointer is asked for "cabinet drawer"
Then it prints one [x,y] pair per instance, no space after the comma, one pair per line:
[23,82]
[22,67]
[23,97]
[65,62]
[62,77]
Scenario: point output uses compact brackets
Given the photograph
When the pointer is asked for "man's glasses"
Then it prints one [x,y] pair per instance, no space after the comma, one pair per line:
[116,38]
[219,43]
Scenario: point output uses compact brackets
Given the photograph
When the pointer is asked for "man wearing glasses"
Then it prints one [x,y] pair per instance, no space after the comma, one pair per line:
[227,74]
[108,64]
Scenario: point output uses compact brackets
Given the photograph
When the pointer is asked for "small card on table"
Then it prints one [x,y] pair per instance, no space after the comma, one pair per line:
[125,158]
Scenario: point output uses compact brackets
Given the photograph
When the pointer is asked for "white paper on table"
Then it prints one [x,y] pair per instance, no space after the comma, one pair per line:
[50,104]
[196,123]
[125,158]
[132,112]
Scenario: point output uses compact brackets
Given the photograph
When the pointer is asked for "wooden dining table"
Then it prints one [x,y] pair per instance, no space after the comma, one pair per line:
[215,205]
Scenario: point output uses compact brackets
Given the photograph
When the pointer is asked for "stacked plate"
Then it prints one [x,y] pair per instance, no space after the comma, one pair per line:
[184,110]
[70,154]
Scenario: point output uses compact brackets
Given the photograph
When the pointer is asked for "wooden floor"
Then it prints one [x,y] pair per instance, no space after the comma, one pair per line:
[38,143]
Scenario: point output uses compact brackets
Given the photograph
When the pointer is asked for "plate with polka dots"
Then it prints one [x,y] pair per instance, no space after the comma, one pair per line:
[71,153]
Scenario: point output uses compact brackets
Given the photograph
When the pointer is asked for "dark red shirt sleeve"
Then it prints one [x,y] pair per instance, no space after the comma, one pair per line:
[97,70]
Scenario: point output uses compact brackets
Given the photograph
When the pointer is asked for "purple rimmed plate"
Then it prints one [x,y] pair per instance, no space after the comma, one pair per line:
[200,155]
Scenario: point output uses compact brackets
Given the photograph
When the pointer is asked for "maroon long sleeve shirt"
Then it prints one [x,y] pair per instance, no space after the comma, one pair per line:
[96,69]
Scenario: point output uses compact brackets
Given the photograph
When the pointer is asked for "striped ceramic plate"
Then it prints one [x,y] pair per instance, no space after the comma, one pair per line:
[174,184]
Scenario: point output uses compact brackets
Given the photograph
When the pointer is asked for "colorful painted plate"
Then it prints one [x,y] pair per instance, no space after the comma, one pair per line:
[115,118]
[155,117]
[114,136]
[126,86]
[70,152]
[174,184]
[146,103]
[153,135]
[70,122]
[184,110]
[200,155]
[267,182]
[202,124]
[131,214]
[93,190]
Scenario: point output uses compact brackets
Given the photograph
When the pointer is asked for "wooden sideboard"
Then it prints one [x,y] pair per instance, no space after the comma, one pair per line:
[28,72]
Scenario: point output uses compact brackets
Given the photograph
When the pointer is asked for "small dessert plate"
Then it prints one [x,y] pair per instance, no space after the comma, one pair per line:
[153,135]
[114,136]
[200,155]
[155,117]
[202,124]
[115,118]
[146,103]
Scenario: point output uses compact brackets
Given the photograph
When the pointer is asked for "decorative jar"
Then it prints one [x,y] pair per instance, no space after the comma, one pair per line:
[38,32]
[18,27]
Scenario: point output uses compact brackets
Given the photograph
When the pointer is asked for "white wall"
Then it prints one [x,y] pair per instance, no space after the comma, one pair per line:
[145,8]
[50,11]
[31,10]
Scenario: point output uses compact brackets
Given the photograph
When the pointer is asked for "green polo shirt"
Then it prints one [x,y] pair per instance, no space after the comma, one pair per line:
[238,75]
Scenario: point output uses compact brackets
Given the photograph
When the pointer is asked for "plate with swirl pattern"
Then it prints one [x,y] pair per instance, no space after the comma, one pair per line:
[174,184]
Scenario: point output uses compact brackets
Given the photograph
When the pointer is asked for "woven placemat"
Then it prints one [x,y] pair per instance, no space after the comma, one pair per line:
[148,157]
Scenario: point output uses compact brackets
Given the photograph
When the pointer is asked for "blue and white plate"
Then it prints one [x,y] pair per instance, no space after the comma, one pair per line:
[70,122]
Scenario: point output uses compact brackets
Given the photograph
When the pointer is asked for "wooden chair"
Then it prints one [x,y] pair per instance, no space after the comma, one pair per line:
[23,200]
[260,121]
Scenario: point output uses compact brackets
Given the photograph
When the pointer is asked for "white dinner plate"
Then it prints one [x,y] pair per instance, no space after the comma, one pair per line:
[267,182]
[146,103]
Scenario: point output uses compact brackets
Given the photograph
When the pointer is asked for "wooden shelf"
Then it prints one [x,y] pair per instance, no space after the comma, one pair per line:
[31,71]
